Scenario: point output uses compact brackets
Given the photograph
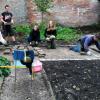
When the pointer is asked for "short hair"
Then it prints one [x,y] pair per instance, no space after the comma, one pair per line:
[97,36]
[7,6]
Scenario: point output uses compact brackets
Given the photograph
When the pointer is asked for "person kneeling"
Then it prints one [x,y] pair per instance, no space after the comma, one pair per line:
[87,41]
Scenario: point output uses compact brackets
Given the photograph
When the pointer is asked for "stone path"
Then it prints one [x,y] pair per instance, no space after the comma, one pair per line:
[63,53]
[24,89]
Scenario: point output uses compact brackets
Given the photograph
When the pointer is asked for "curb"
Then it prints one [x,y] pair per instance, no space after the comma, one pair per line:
[48,85]
[1,83]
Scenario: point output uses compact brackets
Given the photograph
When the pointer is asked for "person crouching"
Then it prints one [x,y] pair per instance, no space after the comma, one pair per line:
[50,35]
[34,36]
[88,40]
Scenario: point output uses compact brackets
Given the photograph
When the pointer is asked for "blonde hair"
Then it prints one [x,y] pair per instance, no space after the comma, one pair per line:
[53,27]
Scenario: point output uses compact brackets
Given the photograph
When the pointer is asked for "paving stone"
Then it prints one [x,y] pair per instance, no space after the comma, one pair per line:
[25,90]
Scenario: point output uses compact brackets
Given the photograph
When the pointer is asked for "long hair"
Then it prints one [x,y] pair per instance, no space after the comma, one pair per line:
[53,27]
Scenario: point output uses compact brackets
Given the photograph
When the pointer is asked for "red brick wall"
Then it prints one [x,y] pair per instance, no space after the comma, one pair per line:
[68,12]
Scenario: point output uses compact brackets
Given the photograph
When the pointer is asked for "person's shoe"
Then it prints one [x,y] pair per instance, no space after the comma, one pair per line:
[14,43]
[82,53]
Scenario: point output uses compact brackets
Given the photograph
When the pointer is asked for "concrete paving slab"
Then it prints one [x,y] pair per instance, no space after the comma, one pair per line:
[25,90]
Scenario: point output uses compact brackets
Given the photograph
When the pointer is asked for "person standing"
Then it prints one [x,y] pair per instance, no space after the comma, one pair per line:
[7,21]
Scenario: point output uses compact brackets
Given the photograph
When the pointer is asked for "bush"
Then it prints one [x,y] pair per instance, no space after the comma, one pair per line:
[42,27]
[22,28]
[68,34]
[4,71]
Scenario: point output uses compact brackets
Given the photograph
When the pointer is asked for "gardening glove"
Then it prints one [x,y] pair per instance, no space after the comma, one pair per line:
[89,53]
[52,37]
[48,39]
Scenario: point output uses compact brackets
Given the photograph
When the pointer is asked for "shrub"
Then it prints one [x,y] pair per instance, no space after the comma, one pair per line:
[68,34]
[22,28]
[42,27]
[4,71]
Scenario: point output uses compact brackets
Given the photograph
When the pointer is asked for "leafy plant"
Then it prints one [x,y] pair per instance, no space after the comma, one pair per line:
[43,5]
[4,71]
[22,28]
[67,34]
[42,28]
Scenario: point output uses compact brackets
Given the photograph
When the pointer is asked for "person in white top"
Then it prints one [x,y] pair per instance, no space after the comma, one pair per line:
[2,40]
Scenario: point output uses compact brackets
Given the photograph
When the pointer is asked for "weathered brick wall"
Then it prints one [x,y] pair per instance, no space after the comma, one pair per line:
[69,12]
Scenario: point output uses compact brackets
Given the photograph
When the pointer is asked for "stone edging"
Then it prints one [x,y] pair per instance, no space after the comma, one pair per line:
[48,85]
[1,83]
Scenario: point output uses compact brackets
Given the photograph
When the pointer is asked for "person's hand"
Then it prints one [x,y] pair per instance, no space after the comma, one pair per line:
[52,37]
[48,39]
[89,53]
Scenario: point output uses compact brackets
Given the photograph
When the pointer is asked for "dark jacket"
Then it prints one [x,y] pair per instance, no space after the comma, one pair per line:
[34,36]
[87,41]
[51,32]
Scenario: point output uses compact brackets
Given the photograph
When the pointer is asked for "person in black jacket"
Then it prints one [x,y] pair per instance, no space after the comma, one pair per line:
[50,35]
[34,35]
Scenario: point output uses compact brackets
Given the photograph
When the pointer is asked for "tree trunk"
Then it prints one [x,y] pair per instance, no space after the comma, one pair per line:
[42,16]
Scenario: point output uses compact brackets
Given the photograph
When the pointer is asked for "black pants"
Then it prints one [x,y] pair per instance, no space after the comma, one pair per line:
[51,44]
[7,30]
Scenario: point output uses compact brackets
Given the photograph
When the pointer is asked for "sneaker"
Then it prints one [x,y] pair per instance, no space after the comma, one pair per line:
[82,53]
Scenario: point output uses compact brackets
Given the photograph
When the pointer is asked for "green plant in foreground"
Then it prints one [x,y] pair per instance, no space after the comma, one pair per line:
[4,71]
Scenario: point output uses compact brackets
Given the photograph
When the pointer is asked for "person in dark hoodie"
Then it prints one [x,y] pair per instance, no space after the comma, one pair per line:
[50,35]
[88,40]
[34,35]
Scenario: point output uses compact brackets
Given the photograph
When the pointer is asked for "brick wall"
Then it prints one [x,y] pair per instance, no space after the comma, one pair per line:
[68,12]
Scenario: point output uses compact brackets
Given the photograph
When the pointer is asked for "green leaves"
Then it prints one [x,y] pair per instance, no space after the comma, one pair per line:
[4,71]
[67,34]
[23,28]
[43,5]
